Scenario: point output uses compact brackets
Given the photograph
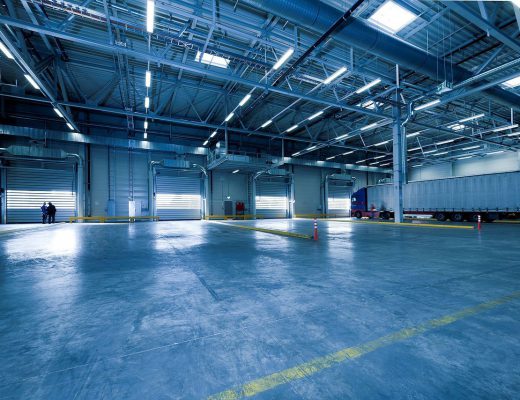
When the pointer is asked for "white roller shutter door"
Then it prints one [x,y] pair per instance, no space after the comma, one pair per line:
[272,198]
[28,188]
[338,201]
[178,195]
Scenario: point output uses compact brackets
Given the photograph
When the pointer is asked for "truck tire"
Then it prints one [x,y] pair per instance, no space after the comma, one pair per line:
[385,215]
[457,217]
[358,214]
[473,217]
[440,217]
[490,217]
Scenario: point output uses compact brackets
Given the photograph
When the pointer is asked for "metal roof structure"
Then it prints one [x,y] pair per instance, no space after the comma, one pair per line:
[89,61]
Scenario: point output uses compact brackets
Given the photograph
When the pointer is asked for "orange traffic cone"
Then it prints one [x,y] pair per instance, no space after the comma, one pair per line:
[315,229]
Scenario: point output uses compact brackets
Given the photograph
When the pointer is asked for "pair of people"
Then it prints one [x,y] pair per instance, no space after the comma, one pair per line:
[48,213]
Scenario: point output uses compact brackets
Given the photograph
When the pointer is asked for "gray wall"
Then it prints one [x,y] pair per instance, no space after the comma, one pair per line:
[307,189]
[490,164]
[226,184]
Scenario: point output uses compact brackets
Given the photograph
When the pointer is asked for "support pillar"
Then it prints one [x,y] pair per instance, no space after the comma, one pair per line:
[399,154]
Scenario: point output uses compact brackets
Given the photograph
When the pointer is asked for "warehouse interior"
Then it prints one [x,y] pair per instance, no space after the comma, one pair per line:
[276,199]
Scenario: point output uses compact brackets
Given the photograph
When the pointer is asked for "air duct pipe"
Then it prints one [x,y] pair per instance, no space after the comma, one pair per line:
[364,36]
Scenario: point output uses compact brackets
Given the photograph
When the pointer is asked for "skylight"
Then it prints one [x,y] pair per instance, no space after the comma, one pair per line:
[212,59]
[511,83]
[392,16]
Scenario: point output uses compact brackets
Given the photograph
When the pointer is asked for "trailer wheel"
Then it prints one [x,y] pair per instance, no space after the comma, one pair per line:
[457,217]
[441,217]
[473,217]
[385,215]
[358,214]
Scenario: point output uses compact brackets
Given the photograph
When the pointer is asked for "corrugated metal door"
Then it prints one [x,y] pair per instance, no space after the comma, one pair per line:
[28,188]
[178,195]
[272,198]
[338,201]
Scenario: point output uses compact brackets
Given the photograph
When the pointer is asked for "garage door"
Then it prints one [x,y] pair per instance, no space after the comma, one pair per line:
[338,201]
[28,188]
[272,198]
[178,195]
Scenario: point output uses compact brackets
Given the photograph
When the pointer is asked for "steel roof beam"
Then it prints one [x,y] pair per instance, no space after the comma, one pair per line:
[191,68]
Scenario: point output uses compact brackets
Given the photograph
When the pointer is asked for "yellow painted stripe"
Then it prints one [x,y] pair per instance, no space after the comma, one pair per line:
[272,231]
[415,225]
[316,365]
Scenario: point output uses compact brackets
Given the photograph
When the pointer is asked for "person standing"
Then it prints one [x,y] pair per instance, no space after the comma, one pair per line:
[51,212]
[44,212]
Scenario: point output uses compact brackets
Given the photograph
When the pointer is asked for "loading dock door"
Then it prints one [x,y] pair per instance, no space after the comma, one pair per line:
[338,201]
[178,195]
[28,188]
[272,198]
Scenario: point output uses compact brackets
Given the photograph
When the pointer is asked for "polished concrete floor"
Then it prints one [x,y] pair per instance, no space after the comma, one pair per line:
[185,310]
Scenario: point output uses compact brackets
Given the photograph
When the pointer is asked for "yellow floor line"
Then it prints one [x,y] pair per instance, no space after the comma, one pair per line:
[257,386]
[272,231]
[415,225]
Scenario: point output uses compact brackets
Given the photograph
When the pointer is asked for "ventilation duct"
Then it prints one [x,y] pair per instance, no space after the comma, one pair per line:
[360,34]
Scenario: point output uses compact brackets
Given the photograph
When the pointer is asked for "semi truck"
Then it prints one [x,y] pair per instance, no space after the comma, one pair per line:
[490,196]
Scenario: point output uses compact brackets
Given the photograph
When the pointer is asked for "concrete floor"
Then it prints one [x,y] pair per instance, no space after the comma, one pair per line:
[184,310]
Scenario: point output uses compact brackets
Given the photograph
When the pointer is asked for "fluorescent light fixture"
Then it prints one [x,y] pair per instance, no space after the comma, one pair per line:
[235,171]
[513,134]
[330,158]
[311,148]
[505,128]
[382,143]
[385,164]
[267,123]
[378,157]
[392,16]
[292,128]
[445,142]
[32,81]
[6,51]
[146,102]
[511,83]
[464,158]
[335,75]
[69,125]
[427,105]
[150,15]
[374,163]
[295,154]
[417,166]
[360,161]
[316,115]
[413,134]
[441,153]
[348,152]
[58,112]
[148,79]
[145,135]
[205,143]
[496,152]
[429,151]
[281,61]
[211,59]
[245,99]
[213,134]
[470,147]
[230,115]
[345,135]
[367,127]
[472,118]
[368,86]
[415,149]
[145,125]
[457,127]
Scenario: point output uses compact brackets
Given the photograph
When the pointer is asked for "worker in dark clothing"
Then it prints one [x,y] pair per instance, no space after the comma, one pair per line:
[44,212]
[51,212]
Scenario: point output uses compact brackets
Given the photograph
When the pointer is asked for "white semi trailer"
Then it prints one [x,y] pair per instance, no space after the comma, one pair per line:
[492,196]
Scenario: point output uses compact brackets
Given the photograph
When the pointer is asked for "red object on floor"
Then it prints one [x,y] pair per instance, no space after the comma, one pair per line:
[478,225]
[315,229]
